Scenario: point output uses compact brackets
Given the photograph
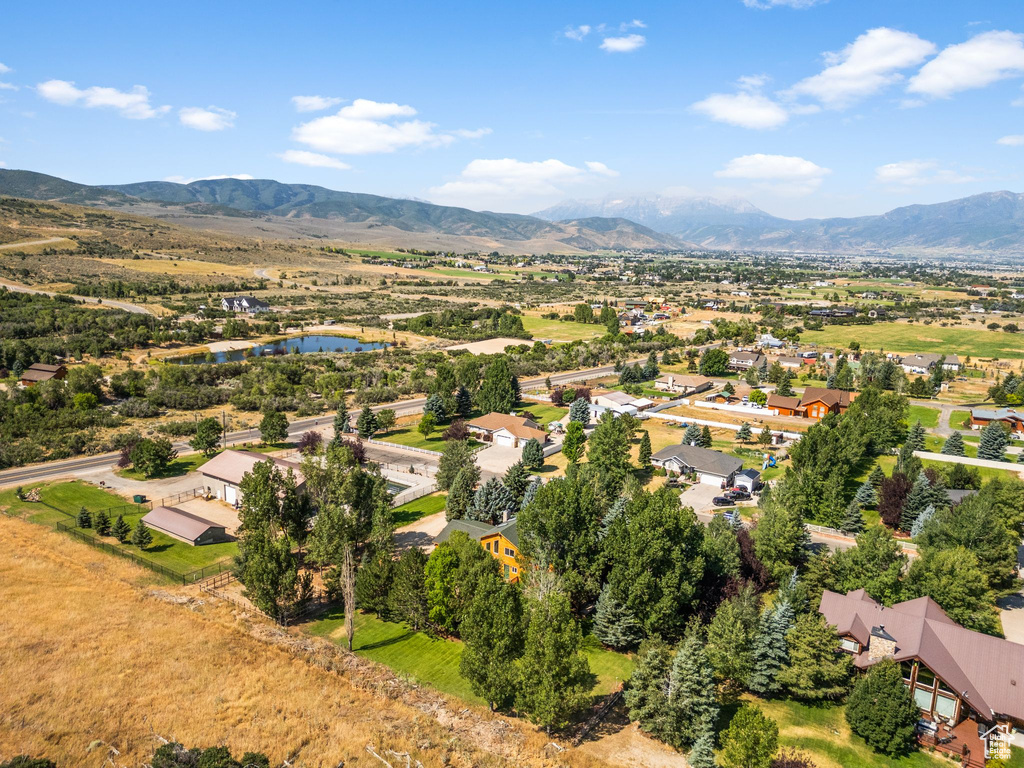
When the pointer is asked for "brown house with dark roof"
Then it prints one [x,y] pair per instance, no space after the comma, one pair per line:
[786,406]
[818,402]
[38,372]
[969,686]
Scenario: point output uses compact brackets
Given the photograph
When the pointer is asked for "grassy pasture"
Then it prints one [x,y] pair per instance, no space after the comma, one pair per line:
[913,337]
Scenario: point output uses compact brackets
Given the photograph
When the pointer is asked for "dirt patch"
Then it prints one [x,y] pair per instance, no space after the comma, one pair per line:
[490,346]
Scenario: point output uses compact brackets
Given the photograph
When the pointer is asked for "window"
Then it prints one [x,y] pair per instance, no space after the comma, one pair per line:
[925,677]
[506,571]
[945,706]
[515,570]
[509,552]
[908,669]
[923,698]
[850,645]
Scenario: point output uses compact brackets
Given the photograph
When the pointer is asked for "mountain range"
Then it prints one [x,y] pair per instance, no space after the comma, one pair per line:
[988,222]
[992,221]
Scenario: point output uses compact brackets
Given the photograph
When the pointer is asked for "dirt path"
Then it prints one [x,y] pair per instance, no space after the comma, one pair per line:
[47,241]
[127,307]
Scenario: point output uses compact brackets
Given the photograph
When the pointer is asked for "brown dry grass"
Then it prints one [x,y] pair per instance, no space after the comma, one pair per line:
[91,653]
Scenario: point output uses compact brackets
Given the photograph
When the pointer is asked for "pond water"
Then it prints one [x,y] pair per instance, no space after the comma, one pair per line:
[300,344]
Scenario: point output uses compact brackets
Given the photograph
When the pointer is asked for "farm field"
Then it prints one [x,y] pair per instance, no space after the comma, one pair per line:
[559,331]
[909,338]
[172,267]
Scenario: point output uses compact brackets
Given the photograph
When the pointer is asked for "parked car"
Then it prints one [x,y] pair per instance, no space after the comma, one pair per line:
[738,494]
[722,501]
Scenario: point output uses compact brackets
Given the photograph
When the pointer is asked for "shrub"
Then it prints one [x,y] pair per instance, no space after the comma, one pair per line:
[882,711]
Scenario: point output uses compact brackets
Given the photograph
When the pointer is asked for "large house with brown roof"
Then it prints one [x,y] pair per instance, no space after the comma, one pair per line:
[819,402]
[683,384]
[968,685]
[503,429]
[38,372]
[224,472]
[786,406]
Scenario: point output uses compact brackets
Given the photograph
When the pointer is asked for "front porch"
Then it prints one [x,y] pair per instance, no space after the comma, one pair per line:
[961,740]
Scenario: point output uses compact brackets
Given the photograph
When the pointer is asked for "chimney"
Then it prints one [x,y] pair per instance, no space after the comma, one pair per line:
[881,645]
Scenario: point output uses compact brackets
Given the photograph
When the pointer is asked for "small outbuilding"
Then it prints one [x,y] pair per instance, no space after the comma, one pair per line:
[184,526]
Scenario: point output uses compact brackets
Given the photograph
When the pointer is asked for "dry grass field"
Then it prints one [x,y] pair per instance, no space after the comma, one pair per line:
[94,657]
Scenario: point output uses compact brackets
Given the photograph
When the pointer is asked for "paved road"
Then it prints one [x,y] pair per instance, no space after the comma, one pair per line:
[133,308]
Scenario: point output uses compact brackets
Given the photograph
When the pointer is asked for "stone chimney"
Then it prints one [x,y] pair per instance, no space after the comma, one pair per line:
[882,645]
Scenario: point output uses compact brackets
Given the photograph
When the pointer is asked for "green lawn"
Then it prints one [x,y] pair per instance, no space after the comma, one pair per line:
[915,337]
[177,468]
[957,419]
[986,473]
[424,506]
[60,503]
[823,733]
[542,413]
[559,331]
[435,662]
[410,437]
[929,417]
[469,273]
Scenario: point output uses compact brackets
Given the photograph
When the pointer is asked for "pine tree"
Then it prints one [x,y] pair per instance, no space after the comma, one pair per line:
[692,435]
[993,442]
[692,699]
[830,381]
[373,582]
[580,411]
[460,493]
[533,454]
[876,477]
[703,753]
[492,503]
[84,518]
[530,493]
[916,501]
[435,407]
[101,521]
[573,442]
[915,437]
[341,423]
[121,530]
[817,669]
[785,388]
[954,445]
[853,519]
[866,495]
[516,479]
[771,653]
[705,438]
[922,519]
[141,536]
[614,625]
[463,402]
[744,434]
[366,424]
[765,438]
[615,511]
[644,453]
[407,598]
[646,696]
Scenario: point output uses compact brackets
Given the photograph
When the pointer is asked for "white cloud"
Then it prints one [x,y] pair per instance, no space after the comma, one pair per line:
[501,180]
[980,61]
[369,127]
[577,33]
[8,86]
[634,24]
[314,103]
[313,159]
[189,180]
[600,169]
[916,173]
[207,118]
[1014,140]
[745,109]
[133,104]
[864,67]
[476,133]
[624,44]
[4,69]
[766,4]
[779,173]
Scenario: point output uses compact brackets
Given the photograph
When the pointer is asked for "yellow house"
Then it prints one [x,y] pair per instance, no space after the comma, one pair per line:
[502,542]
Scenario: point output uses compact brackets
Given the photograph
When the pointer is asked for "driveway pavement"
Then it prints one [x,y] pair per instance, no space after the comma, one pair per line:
[699,496]
[496,459]
[215,511]
[421,533]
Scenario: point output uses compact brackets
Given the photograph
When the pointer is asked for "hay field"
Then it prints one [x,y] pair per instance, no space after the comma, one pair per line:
[92,653]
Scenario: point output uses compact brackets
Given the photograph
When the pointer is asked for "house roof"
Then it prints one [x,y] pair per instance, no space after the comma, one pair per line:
[509,530]
[472,528]
[997,414]
[685,380]
[753,357]
[956,496]
[986,671]
[230,466]
[701,459]
[753,474]
[46,367]
[34,374]
[519,426]
[783,359]
[179,523]
[921,360]
[250,300]
[619,398]
[778,401]
[829,397]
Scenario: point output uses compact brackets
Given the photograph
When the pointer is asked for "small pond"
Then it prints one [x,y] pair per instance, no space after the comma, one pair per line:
[300,344]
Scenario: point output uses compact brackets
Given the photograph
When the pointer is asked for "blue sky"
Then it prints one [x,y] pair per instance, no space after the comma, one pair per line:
[844,107]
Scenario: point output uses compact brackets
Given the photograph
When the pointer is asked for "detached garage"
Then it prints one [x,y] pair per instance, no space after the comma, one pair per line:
[184,526]
[223,473]
[709,467]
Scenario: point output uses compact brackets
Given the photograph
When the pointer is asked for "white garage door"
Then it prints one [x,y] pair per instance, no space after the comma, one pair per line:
[230,494]
[504,438]
[707,479]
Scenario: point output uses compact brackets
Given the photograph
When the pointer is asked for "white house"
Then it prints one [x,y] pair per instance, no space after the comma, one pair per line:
[248,304]
[223,473]
[503,429]
[621,402]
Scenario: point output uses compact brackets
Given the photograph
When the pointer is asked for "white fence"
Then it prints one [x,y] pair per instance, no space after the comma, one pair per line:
[398,446]
[746,410]
[719,424]
[972,462]
[411,494]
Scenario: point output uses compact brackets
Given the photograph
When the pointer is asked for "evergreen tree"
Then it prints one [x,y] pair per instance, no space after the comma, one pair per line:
[573,442]
[785,387]
[692,701]
[492,503]
[407,598]
[922,520]
[730,641]
[533,454]
[84,518]
[497,391]
[373,582]
[121,530]
[101,521]
[876,477]
[141,536]
[993,442]
[614,625]
[954,445]
[750,741]
[744,434]
[530,493]
[916,501]
[915,437]
[608,452]
[516,480]
[646,696]
[455,456]
[580,411]
[651,369]
[436,408]
[554,676]
[817,669]
[705,438]
[615,511]
[644,453]
[366,424]
[881,710]
[460,493]
[764,439]
[493,634]
[853,521]
[703,753]
[692,435]
[866,495]
[771,652]
[830,381]
[341,423]
[463,402]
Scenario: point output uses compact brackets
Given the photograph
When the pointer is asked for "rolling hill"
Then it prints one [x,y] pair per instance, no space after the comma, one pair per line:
[264,197]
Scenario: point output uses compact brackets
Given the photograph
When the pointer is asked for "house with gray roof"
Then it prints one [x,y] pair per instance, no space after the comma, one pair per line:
[710,467]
